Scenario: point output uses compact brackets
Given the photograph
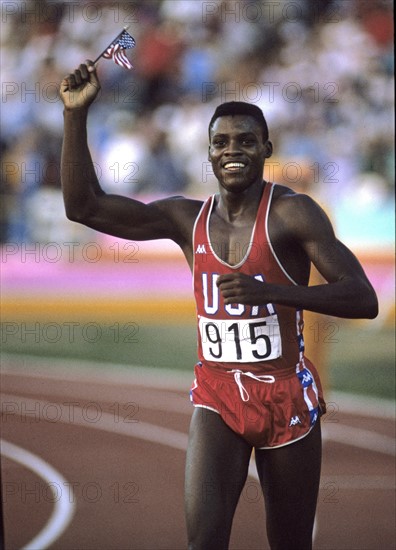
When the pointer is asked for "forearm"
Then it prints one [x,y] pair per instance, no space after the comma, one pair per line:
[349,297]
[344,298]
[80,185]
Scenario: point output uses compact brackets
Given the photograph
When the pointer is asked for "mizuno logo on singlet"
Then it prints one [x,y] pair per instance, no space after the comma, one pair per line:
[200,249]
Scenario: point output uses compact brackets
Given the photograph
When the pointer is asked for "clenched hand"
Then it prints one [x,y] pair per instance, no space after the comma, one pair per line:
[79,89]
[239,288]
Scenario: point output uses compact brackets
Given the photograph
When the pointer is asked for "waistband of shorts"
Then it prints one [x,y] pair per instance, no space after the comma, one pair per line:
[227,373]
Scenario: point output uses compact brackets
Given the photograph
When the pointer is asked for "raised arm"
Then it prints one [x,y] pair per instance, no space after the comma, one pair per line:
[85,201]
[305,233]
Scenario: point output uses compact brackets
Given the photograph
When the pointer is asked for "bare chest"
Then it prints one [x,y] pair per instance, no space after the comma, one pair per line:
[230,242]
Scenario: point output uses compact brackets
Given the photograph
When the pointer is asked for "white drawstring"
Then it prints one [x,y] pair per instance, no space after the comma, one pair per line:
[242,390]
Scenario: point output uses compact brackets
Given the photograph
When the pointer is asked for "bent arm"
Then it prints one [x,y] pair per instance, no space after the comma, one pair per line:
[84,199]
[87,203]
[347,293]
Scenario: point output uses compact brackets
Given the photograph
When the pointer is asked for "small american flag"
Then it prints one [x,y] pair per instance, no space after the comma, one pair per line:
[116,50]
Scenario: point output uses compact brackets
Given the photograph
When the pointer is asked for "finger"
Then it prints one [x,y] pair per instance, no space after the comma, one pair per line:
[230,290]
[91,68]
[226,278]
[227,287]
[77,76]
[71,81]
[84,71]
[65,84]
[232,301]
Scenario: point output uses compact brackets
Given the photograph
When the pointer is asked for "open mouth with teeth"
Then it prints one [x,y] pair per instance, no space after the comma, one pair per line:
[234,166]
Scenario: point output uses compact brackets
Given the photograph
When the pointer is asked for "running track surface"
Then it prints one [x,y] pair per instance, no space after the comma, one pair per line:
[105,463]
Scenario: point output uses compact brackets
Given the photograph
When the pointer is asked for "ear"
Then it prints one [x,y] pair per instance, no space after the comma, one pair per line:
[268,149]
[209,159]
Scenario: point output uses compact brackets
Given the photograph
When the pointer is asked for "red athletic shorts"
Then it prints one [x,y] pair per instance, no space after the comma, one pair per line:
[268,411]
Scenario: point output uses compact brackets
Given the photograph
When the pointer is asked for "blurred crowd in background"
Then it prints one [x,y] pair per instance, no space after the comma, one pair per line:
[321,71]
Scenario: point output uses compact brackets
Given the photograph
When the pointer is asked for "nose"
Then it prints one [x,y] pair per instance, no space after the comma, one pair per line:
[232,148]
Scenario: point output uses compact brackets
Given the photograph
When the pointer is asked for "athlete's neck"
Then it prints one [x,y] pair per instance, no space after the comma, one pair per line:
[243,205]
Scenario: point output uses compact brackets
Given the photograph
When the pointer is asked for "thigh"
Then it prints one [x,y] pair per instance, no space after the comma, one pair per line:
[216,470]
[290,478]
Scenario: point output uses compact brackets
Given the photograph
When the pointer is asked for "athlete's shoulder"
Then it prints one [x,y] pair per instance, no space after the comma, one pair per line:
[179,205]
[281,193]
[299,212]
[181,212]
[286,199]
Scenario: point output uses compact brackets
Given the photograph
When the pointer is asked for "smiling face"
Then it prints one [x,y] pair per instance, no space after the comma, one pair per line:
[237,152]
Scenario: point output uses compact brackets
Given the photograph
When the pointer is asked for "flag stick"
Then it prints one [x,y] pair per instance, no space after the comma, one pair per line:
[118,35]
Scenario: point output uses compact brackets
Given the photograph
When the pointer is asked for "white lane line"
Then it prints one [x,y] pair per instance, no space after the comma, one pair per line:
[99,420]
[63,509]
[81,371]
[62,412]
[172,438]
[362,439]
[361,482]
[355,437]
[66,391]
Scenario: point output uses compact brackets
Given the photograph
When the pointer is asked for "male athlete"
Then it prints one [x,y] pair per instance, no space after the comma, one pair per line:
[249,247]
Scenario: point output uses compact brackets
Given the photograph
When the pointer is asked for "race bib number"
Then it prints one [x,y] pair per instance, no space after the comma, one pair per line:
[243,340]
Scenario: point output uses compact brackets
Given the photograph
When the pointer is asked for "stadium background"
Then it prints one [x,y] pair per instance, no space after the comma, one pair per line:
[323,75]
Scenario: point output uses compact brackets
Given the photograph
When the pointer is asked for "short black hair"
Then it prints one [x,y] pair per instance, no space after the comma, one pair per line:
[232,108]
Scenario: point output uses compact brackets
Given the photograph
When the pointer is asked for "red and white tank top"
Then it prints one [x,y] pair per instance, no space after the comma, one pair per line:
[260,338]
